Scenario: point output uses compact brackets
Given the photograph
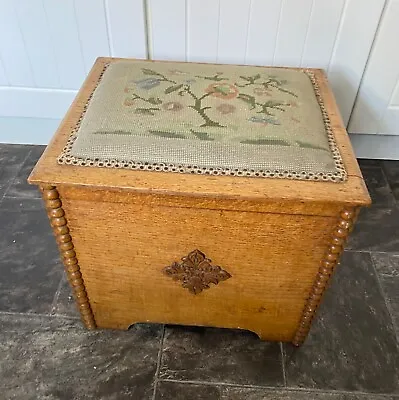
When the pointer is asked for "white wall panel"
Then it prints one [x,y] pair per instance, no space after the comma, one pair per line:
[322,31]
[372,112]
[33,25]
[262,31]
[64,36]
[292,32]
[355,37]
[233,31]
[202,30]
[12,47]
[92,30]
[126,28]
[395,95]
[168,29]
[25,102]
[3,76]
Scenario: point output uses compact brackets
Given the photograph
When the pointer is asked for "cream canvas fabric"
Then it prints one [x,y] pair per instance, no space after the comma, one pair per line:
[203,118]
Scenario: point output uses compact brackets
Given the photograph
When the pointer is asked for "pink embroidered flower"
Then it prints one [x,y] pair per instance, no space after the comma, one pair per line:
[128,102]
[172,106]
[223,90]
[225,108]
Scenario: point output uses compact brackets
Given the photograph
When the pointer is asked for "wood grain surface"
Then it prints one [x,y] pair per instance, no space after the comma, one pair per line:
[123,248]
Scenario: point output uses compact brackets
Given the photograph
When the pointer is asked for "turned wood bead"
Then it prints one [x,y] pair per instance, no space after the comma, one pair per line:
[47,187]
[69,254]
[76,282]
[344,224]
[71,263]
[347,214]
[58,221]
[60,230]
[64,238]
[340,232]
[50,194]
[75,275]
[331,256]
[328,264]
[56,213]
[53,203]
[65,246]
[337,241]
[325,271]
[334,249]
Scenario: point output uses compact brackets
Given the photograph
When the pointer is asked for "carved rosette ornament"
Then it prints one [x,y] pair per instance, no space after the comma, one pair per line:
[196,272]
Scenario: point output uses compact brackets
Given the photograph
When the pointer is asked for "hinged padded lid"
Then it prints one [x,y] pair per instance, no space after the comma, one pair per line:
[207,119]
[318,147]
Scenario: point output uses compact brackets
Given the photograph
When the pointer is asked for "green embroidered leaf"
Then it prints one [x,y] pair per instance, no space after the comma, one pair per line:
[267,142]
[285,90]
[201,135]
[146,111]
[310,146]
[155,101]
[245,78]
[248,99]
[172,135]
[256,77]
[147,71]
[272,104]
[216,77]
[172,89]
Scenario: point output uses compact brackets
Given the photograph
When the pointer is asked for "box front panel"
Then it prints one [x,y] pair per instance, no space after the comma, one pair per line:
[123,248]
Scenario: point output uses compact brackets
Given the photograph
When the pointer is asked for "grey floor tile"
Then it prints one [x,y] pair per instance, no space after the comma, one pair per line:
[377,229]
[51,358]
[387,266]
[184,391]
[352,344]
[12,156]
[65,303]
[391,169]
[377,184]
[365,162]
[29,260]
[220,355]
[19,186]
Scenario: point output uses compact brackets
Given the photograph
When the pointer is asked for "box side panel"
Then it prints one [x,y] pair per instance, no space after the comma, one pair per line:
[272,258]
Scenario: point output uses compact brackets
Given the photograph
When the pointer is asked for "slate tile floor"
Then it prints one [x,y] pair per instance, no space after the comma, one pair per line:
[351,353]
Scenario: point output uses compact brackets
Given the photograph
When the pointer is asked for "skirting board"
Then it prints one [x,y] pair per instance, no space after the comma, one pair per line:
[40,131]
[375,146]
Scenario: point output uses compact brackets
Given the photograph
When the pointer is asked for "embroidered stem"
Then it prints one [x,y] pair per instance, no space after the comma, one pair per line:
[201,110]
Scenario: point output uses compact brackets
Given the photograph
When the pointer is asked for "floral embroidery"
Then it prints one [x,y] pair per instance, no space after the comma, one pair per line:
[148,83]
[264,120]
[261,91]
[172,106]
[225,108]
[128,102]
[222,90]
[177,72]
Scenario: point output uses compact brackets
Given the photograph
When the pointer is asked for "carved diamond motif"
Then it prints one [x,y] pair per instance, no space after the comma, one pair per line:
[196,272]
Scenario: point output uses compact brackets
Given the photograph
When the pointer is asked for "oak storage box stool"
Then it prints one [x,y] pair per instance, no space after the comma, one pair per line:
[196,194]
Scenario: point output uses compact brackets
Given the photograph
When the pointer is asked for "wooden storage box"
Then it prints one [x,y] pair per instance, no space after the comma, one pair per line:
[194,245]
